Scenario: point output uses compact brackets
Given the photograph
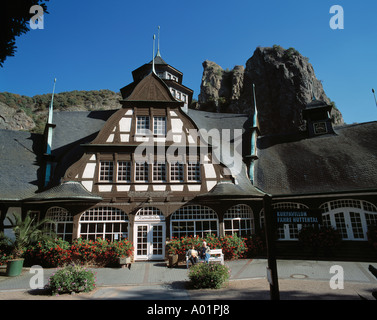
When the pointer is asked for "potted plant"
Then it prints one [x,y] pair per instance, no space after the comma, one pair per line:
[25,232]
[172,251]
[123,251]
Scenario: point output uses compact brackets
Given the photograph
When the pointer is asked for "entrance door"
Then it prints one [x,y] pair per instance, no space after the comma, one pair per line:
[351,225]
[149,241]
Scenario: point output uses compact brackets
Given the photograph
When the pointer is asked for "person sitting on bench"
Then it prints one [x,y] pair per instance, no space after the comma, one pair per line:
[204,253]
[193,255]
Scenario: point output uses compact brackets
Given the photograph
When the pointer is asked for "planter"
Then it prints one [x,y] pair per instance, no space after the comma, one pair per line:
[173,260]
[124,261]
[14,267]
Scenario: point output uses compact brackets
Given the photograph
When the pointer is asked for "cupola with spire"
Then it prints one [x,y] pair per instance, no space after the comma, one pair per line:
[171,76]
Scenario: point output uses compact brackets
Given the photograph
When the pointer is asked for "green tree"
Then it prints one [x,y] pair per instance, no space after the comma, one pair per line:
[27,232]
[14,19]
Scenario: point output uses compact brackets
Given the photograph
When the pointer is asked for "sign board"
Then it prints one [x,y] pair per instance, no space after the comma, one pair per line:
[154,218]
[298,216]
[269,276]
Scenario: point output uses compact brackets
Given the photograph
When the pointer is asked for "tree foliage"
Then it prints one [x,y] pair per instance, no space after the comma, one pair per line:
[14,21]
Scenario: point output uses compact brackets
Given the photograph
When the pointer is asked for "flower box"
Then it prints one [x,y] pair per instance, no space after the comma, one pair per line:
[124,260]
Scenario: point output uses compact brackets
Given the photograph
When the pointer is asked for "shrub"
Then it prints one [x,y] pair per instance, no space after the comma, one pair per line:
[372,236]
[181,245]
[4,257]
[101,252]
[324,237]
[329,237]
[233,247]
[121,248]
[255,245]
[70,279]
[84,251]
[58,253]
[49,253]
[5,249]
[208,276]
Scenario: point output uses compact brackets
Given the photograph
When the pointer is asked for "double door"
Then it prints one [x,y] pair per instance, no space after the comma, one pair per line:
[149,240]
[352,225]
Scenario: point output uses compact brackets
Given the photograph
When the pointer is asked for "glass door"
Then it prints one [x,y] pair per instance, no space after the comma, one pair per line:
[149,241]
[157,243]
[142,242]
[351,225]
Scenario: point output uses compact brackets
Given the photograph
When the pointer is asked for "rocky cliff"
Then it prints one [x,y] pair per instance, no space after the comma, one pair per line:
[18,112]
[284,80]
[13,119]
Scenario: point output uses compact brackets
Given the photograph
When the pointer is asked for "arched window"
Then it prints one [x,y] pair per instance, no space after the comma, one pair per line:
[150,212]
[239,219]
[350,217]
[194,220]
[104,222]
[62,222]
[287,231]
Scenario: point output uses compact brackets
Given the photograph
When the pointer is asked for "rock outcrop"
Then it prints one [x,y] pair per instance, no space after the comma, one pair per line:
[284,80]
[30,113]
[220,89]
[12,119]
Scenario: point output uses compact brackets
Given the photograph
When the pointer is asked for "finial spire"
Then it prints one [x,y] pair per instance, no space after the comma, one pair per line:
[255,108]
[158,43]
[50,111]
[153,70]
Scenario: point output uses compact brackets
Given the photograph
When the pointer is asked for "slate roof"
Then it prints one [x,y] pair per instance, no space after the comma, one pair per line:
[341,162]
[74,128]
[67,191]
[242,186]
[288,165]
[18,164]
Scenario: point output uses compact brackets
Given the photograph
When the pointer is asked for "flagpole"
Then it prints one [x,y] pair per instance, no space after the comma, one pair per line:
[374,97]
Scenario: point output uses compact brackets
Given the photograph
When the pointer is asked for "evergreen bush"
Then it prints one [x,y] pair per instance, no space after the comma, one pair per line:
[72,278]
[208,276]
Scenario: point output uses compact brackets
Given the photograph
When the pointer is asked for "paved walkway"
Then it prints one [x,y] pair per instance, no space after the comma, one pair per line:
[154,281]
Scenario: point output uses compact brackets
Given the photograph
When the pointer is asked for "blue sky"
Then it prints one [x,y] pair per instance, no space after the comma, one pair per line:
[93,45]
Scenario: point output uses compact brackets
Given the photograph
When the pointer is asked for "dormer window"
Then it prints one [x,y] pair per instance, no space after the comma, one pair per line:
[320,128]
[317,116]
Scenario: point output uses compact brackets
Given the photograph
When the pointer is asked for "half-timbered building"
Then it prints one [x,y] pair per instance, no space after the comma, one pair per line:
[154,169]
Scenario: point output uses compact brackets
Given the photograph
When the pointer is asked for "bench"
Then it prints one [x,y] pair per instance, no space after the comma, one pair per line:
[216,255]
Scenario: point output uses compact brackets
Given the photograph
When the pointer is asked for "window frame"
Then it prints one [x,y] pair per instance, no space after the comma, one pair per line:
[192,220]
[142,125]
[141,165]
[242,215]
[104,217]
[62,219]
[174,171]
[159,171]
[193,171]
[159,126]
[124,171]
[106,170]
